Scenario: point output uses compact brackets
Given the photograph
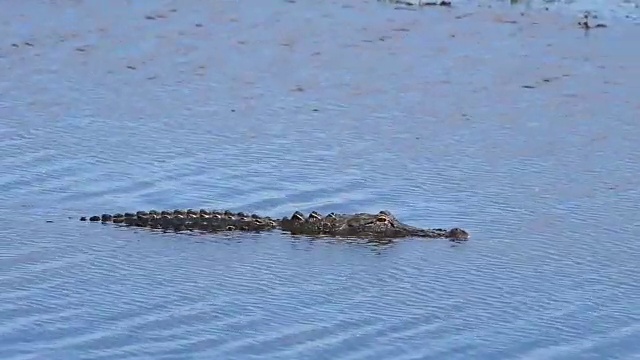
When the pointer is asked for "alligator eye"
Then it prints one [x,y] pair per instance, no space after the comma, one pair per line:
[382,218]
[315,215]
[331,216]
[297,216]
[231,228]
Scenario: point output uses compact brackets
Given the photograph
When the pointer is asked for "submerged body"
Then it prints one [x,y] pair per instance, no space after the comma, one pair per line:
[380,225]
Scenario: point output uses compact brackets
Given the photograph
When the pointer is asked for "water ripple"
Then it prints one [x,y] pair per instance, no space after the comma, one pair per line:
[422,113]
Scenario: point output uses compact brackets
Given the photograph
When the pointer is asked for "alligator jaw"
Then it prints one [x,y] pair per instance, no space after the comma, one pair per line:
[452,234]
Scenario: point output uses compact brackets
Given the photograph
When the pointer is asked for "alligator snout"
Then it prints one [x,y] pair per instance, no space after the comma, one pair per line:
[457,233]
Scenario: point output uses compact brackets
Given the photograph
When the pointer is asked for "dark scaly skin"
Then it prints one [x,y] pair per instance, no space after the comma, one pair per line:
[381,225]
[181,220]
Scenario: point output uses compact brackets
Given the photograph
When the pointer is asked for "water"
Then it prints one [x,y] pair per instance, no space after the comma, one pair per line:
[520,128]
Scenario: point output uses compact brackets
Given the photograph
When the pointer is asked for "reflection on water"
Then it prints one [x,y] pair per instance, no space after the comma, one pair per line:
[515,127]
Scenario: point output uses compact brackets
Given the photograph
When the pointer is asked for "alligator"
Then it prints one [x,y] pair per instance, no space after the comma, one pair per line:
[360,225]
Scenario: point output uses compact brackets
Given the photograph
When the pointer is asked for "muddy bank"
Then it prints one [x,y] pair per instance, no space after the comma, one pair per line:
[598,13]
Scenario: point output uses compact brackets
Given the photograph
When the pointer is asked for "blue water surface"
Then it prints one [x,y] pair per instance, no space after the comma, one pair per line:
[509,121]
